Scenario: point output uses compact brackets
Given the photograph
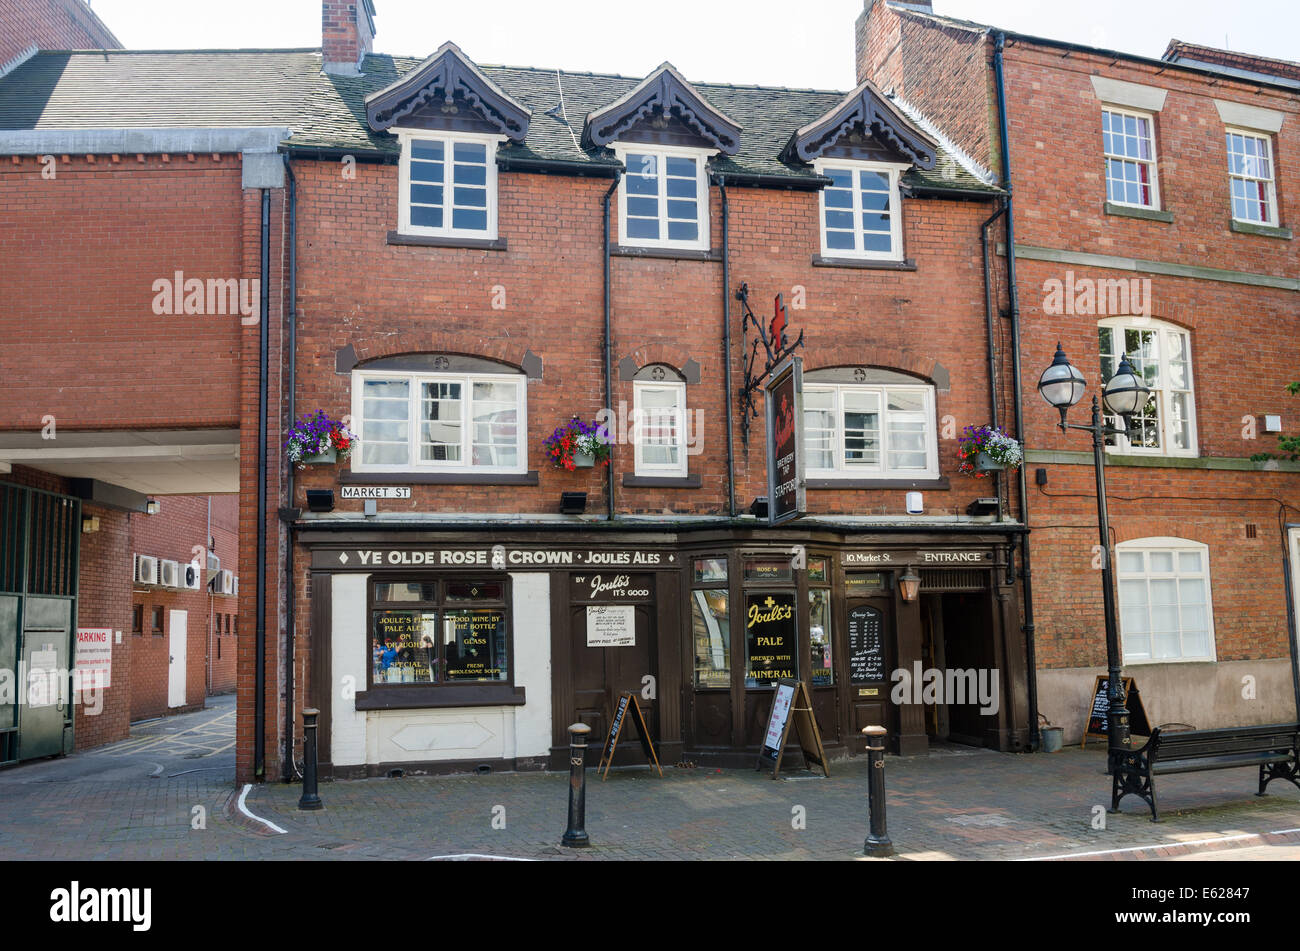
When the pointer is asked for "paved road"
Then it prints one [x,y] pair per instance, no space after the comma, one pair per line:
[168,792]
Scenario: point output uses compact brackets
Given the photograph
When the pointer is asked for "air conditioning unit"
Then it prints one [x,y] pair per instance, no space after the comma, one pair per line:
[214,568]
[146,569]
[169,574]
[226,582]
[192,579]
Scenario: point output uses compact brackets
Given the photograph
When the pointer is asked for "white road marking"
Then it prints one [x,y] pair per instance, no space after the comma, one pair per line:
[461,856]
[244,809]
[1143,848]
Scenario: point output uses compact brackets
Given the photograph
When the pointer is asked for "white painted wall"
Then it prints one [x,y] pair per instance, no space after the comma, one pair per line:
[1203,695]
[466,733]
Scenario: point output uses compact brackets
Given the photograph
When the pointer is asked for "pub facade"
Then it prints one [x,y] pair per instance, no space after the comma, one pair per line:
[487,258]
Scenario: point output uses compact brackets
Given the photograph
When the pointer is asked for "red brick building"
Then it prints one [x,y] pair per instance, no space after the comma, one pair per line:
[119,405]
[1153,207]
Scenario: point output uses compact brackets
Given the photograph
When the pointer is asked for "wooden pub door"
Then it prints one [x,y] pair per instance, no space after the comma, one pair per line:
[613,648]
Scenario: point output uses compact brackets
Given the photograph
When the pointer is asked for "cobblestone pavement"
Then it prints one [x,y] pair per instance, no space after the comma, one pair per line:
[168,792]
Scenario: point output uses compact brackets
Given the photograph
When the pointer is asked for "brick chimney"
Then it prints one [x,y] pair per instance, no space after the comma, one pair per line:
[877,35]
[347,34]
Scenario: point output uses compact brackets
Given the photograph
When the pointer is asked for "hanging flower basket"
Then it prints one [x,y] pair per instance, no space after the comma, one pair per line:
[577,445]
[984,449]
[318,440]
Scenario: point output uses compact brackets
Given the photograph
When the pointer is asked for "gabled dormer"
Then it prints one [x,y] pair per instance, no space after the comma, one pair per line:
[450,119]
[863,144]
[664,132]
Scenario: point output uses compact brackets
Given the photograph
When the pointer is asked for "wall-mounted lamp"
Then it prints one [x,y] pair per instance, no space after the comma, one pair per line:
[909,584]
[320,500]
[152,506]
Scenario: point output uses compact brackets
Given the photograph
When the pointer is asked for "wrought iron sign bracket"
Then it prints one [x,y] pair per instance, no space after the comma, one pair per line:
[776,345]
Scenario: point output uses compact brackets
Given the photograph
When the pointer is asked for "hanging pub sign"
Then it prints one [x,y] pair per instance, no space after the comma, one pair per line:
[1099,723]
[791,706]
[627,707]
[786,489]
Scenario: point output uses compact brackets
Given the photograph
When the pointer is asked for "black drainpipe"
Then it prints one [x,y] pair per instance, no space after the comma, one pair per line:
[289,593]
[1026,574]
[726,345]
[609,383]
[259,677]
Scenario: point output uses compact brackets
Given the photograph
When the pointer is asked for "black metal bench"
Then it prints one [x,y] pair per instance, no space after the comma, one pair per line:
[1275,749]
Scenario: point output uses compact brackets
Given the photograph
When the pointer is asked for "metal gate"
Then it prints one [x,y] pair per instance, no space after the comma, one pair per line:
[40,538]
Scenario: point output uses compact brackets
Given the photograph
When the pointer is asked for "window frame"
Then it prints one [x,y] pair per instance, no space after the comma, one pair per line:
[656,469]
[1267,139]
[416,379]
[406,137]
[1123,446]
[1165,543]
[700,156]
[882,471]
[1153,161]
[895,172]
[439,606]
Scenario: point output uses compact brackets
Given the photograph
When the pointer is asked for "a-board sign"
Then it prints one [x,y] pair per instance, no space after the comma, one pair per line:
[866,645]
[1138,724]
[791,708]
[627,709]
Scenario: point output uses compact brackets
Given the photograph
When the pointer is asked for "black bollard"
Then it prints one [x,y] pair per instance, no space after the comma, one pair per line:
[575,836]
[310,799]
[877,844]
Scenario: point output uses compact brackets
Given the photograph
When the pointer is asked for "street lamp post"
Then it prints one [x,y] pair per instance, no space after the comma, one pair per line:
[1062,385]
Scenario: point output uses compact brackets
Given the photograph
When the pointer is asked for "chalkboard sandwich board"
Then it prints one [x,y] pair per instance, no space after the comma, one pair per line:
[791,706]
[627,704]
[1098,723]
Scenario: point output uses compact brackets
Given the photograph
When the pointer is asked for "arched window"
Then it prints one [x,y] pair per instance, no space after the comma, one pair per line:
[436,413]
[1164,600]
[1162,353]
[865,422]
[659,421]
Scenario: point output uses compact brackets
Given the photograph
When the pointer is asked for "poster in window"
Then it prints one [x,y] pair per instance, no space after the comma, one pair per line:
[474,646]
[611,625]
[785,477]
[770,638]
[404,649]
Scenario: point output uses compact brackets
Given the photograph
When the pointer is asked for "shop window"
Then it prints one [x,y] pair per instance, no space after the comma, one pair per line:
[448,185]
[659,428]
[1128,142]
[860,210]
[1250,173]
[137,619]
[439,632]
[870,430]
[663,200]
[440,422]
[1161,352]
[771,648]
[157,620]
[1164,600]
[705,570]
[819,622]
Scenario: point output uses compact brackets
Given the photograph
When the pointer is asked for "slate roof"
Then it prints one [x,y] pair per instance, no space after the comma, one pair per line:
[238,88]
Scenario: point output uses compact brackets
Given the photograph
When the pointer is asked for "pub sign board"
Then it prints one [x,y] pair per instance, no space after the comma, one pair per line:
[786,489]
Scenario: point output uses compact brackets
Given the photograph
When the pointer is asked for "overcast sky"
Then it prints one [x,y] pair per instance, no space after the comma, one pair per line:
[808,43]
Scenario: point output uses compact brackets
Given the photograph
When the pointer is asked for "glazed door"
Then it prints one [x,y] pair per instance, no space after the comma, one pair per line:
[613,648]
[869,635]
